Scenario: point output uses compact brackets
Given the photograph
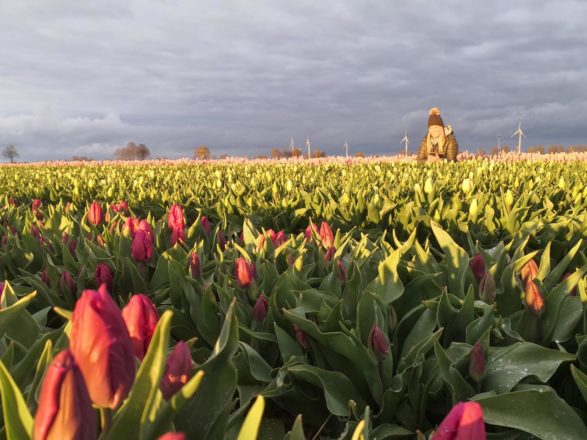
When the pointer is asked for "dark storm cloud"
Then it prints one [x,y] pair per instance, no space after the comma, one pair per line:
[83,78]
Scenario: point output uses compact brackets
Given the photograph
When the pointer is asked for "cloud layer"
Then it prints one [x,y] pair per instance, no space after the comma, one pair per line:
[84,78]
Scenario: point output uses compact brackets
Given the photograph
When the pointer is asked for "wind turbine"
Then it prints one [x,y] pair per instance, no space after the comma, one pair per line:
[308,145]
[519,133]
[346,149]
[405,140]
[498,142]
[291,144]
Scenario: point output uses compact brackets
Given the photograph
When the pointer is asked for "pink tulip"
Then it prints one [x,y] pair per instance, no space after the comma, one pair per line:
[173,436]
[326,235]
[104,275]
[142,247]
[301,337]
[378,342]
[177,371]
[195,265]
[102,347]
[140,317]
[205,224]
[65,410]
[463,422]
[67,284]
[308,232]
[477,363]
[260,308]
[477,266]
[95,214]
[121,206]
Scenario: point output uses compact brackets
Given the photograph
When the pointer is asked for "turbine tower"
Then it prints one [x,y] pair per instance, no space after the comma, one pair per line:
[308,145]
[498,142]
[520,134]
[405,140]
[346,149]
[291,144]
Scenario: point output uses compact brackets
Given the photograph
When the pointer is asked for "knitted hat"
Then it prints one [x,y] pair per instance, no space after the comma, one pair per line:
[434,117]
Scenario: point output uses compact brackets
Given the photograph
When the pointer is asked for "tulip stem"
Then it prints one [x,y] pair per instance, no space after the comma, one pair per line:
[105,420]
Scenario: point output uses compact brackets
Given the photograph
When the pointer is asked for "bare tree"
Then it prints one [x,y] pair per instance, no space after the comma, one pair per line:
[9,152]
[133,151]
[276,153]
[318,153]
[202,152]
[296,152]
[359,154]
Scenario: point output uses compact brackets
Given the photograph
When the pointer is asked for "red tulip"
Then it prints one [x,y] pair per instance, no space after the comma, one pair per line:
[533,298]
[326,235]
[36,208]
[244,272]
[378,342]
[141,319]
[477,266]
[260,308]
[104,275]
[308,232]
[67,284]
[173,436]
[278,238]
[70,242]
[177,371]
[195,265]
[205,224]
[65,410]
[95,214]
[221,240]
[121,206]
[175,218]
[130,227]
[342,273]
[329,254]
[463,422]
[477,363]
[142,247]
[301,337]
[102,347]
[529,271]
[487,288]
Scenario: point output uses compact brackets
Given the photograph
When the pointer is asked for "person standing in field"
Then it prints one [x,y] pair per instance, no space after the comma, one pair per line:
[440,142]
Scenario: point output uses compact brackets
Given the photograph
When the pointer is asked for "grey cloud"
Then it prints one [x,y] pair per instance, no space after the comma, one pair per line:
[242,77]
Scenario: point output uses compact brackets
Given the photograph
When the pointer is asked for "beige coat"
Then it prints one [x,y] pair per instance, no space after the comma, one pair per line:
[449,150]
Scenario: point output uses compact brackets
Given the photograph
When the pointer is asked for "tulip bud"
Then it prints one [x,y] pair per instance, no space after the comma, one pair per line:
[67,284]
[487,288]
[44,275]
[467,186]
[529,271]
[102,348]
[308,232]
[428,186]
[140,317]
[477,363]
[301,337]
[36,208]
[342,273]
[1,293]
[176,223]
[463,422]
[65,410]
[329,254]
[142,247]
[95,214]
[477,266]
[378,343]
[173,436]
[260,308]
[130,227]
[121,206]
[104,275]
[533,298]
[177,371]
[205,224]
[221,240]
[326,235]
[195,265]
[244,272]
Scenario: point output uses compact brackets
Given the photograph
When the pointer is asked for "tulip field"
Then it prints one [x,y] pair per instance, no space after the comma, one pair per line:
[367,299]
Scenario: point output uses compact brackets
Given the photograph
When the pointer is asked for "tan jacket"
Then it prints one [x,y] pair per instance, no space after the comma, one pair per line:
[450,150]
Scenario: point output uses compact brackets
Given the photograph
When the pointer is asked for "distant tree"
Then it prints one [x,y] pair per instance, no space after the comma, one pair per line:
[82,159]
[223,156]
[9,152]
[132,151]
[494,151]
[536,149]
[261,156]
[359,154]
[480,151]
[505,148]
[296,152]
[276,153]
[317,153]
[202,152]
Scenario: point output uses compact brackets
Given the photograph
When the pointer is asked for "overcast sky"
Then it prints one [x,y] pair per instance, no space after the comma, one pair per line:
[84,78]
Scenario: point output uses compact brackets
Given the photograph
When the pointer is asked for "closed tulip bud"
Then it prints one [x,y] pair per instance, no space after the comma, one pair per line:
[205,224]
[260,308]
[178,370]
[463,422]
[244,272]
[301,337]
[67,284]
[1,293]
[173,436]
[130,227]
[140,317]
[533,298]
[477,363]
[342,273]
[308,232]
[329,254]
[65,410]
[326,235]
[221,240]
[142,247]
[467,186]
[95,214]
[477,266]
[378,343]
[428,186]
[102,348]
[278,239]
[44,275]
[36,208]
[195,265]
[529,271]
[487,288]
[103,275]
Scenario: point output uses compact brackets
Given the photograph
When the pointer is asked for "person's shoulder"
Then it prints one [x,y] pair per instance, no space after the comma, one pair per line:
[448,130]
